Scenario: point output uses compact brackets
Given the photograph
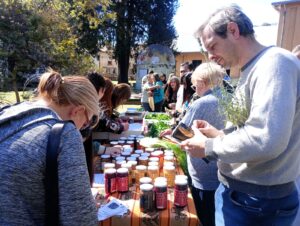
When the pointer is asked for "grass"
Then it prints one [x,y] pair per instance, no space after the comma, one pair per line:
[10,97]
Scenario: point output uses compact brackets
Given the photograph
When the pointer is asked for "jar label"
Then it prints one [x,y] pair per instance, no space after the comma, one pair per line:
[161,199]
[122,184]
[180,198]
[110,185]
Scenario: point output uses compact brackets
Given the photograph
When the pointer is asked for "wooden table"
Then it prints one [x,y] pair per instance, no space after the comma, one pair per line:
[169,217]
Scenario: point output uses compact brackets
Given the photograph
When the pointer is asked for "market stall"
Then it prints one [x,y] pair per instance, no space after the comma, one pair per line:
[141,209]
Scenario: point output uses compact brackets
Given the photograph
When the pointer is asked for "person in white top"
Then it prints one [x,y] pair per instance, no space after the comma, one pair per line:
[184,68]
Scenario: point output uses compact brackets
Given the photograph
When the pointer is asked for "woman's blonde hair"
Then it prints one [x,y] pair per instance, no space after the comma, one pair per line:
[211,73]
[76,90]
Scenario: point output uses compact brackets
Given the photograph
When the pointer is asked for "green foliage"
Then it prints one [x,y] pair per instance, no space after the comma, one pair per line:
[155,128]
[234,108]
[180,155]
[158,116]
[36,33]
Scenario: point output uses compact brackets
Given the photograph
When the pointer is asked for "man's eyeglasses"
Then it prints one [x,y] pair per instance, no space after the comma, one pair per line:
[193,87]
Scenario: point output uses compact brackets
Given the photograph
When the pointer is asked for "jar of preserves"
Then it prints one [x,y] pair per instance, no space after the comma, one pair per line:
[180,193]
[168,158]
[160,155]
[153,172]
[140,171]
[152,163]
[143,161]
[169,173]
[119,163]
[110,180]
[133,170]
[128,166]
[161,194]
[122,180]
[104,159]
[146,197]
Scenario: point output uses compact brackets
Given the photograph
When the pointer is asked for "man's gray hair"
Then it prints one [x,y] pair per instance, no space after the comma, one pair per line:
[219,19]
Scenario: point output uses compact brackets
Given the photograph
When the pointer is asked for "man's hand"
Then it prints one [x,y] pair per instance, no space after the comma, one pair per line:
[165,132]
[125,125]
[207,129]
[195,146]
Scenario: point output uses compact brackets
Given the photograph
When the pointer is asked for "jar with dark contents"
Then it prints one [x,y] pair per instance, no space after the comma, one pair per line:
[161,194]
[122,180]
[104,159]
[110,180]
[180,192]
[146,197]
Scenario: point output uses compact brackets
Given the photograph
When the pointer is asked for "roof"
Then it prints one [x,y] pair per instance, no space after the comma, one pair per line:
[285,2]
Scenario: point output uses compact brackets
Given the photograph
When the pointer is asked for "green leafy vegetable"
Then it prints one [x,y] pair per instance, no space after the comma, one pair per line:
[180,155]
[156,128]
[158,116]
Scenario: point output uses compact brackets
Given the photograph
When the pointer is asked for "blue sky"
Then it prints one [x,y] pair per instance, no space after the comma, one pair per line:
[191,13]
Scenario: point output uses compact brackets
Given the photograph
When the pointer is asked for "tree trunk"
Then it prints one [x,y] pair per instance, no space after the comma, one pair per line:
[15,85]
[123,65]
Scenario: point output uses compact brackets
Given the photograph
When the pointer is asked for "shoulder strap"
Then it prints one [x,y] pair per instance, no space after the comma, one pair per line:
[51,175]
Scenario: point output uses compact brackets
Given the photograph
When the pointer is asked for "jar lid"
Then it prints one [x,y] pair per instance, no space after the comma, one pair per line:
[146,187]
[123,138]
[120,158]
[183,177]
[114,142]
[168,150]
[109,165]
[121,141]
[149,149]
[131,158]
[110,171]
[160,179]
[122,170]
[127,146]
[140,167]
[145,180]
[125,153]
[153,159]
[129,141]
[120,162]
[168,163]
[132,162]
[157,153]
[138,151]
[135,155]
[126,165]
[168,157]
[105,156]
[169,154]
[132,135]
[160,183]
[143,158]
[167,167]
[181,181]
[152,163]
[152,167]
[146,154]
